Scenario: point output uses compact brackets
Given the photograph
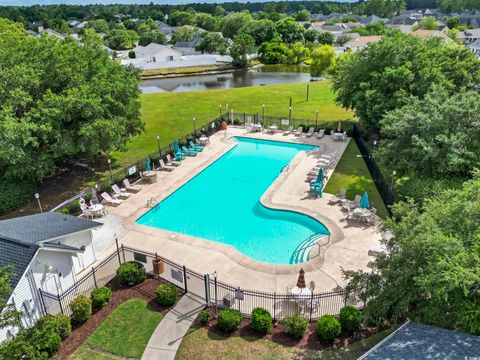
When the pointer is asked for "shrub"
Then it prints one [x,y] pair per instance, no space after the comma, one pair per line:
[261,320]
[350,318]
[131,54]
[100,297]
[131,273]
[204,317]
[59,324]
[328,327]
[229,319]
[81,308]
[44,340]
[167,294]
[15,193]
[295,325]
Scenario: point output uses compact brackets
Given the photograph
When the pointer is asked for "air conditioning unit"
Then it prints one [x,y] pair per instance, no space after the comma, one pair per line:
[228,300]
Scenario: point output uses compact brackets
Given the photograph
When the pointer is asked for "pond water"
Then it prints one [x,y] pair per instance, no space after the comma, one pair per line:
[265,75]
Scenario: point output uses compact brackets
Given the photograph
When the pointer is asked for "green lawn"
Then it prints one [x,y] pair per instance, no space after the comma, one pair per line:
[199,344]
[352,174]
[170,115]
[125,333]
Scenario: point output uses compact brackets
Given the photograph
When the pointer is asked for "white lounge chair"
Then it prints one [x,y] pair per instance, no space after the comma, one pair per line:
[350,205]
[320,133]
[288,131]
[165,167]
[171,162]
[110,200]
[120,193]
[131,188]
[299,131]
[310,132]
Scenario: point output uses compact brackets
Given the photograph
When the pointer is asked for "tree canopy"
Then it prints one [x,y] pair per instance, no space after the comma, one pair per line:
[211,43]
[290,31]
[153,36]
[323,59]
[242,46]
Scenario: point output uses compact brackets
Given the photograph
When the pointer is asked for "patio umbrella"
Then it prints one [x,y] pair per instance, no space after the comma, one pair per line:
[364,202]
[301,279]
[147,164]
[320,176]
[176,148]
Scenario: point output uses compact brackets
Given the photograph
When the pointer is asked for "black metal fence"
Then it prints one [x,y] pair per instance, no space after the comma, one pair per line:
[384,187]
[205,287]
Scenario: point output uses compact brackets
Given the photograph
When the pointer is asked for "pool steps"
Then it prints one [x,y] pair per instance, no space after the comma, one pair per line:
[302,251]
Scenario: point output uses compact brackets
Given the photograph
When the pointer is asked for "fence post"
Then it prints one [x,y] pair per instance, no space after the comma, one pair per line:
[311,306]
[185,278]
[43,301]
[274,301]
[94,277]
[216,300]
[118,251]
[60,303]
[206,281]
[123,253]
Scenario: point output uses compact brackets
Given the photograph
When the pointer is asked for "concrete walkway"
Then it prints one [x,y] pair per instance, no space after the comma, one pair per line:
[168,335]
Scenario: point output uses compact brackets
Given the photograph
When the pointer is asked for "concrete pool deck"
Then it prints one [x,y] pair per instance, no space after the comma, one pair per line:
[349,243]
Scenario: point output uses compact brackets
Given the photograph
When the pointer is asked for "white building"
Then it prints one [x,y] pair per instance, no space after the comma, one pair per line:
[157,53]
[48,251]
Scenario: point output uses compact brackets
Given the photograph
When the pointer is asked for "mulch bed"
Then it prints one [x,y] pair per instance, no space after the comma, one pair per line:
[309,341]
[120,294]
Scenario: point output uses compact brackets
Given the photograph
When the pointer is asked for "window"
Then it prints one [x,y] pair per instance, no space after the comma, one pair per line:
[169,58]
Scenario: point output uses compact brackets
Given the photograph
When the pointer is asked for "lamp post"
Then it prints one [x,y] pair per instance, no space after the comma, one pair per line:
[263,114]
[220,111]
[194,129]
[110,168]
[394,172]
[290,113]
[158,144]
[316,118]
[37,196]
[215,274]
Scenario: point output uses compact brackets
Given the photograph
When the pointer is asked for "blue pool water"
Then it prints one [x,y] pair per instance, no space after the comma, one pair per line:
[222,204]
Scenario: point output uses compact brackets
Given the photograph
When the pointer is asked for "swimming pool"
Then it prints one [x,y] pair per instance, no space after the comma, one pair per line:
[222,203]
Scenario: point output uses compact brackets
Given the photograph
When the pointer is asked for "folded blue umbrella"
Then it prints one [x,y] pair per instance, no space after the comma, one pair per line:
[147,164]
[364,202]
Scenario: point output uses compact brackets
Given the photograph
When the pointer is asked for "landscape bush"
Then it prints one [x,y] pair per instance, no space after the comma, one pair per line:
[15,193]
[204,317]
[81,308]
[295,325]
[229,319]
[100,297]
[131,273]
[44,340]
[261,320]
[350,318]
[167,294]
[59,324]
[328,327]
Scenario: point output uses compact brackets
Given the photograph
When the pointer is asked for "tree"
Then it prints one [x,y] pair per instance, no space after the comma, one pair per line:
[211,43]
[439,135]
[290,31]
[262,30]
[205,21]
[323,59]
[449,6]
[382,76]
[303,15]
[242,46]
[343,39]
[453,23]
[99,25]
[219,11]
[233,23]
[382,8]
[325,37]
[427,23]
[153,36]
[298,54]
[63,28]
[376,28]
[430,271]
[311,35]
[181,18]
[119,39]
[9,315]
[185,33]
[274,52]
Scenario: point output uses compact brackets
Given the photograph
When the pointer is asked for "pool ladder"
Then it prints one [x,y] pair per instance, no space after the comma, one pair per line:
[302,252]
[152,202]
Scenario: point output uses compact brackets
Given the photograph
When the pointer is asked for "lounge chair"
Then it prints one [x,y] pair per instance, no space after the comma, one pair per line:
[164,167]
[189,152]
[178,152]
[350,205]
[339,197]
[131,188]
[171,162]
[310,132]
[288,131]
[299,131]
[320,133]
[195,147]
[120,193]
[110,200]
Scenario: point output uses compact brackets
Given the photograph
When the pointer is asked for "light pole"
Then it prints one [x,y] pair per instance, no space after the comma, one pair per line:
[316,118]
[220,112]
[110,168]
[290,113]
[394,172]
[231,112]
[194,129]
[37,196]
[215,274]
[263,114]
[158,144]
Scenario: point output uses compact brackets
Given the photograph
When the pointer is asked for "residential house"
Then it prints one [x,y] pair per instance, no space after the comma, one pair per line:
[475,47]
[157,53]
[431,33]
[80,26]
[469,36]
[42,30]
[166,29]
[362,42]
[48,251]
[187,47]
[370,19]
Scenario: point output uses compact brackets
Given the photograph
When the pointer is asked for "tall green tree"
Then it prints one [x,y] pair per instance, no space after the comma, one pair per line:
[274,52]
[99,25]
[427,23]
[326,38]
[153,36]
[9,316]
[243,45]
[323,59]
[383,76]
[119,39]
[290,31]
[205,21]
[211,43]
[262,30]
[234,23]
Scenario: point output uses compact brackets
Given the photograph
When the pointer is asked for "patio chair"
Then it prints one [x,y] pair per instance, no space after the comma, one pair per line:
[351,205]
[110,200]
[164,167]
[311,285]
[288,131]
[342,193]
[131,188]
[299,131]
[310,132]
[195,147]
[86,212]
[320,134]
[120,193]
[189,152]
[171,162]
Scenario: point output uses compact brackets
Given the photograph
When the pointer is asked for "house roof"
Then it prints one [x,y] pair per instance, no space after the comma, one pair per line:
[415,341]
[33,229]
[151,49]
[431,33]
[475,45]
[472,33]
[363,41]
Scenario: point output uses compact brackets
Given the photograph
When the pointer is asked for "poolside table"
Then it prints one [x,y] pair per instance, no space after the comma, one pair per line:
[338,136]
[301,293]
[203,140]
[272,129]
[257,127]
[150,176]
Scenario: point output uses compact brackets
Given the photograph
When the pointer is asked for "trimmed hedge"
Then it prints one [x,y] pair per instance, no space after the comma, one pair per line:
[229,319]
[131,273]
[295,325]
[59,324]
[167,294]
[44,340]
[100,297]
[204,317]
[350,318]
[81,308]
[261,320]
[328,327]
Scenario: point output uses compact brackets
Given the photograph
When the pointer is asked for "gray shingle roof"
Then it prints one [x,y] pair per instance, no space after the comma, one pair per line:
[33,229]
[415,341]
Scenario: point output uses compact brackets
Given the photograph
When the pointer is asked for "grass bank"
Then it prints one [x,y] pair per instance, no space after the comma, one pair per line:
[146,74]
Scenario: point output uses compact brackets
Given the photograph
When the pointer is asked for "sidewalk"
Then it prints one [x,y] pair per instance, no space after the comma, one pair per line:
[168,335]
